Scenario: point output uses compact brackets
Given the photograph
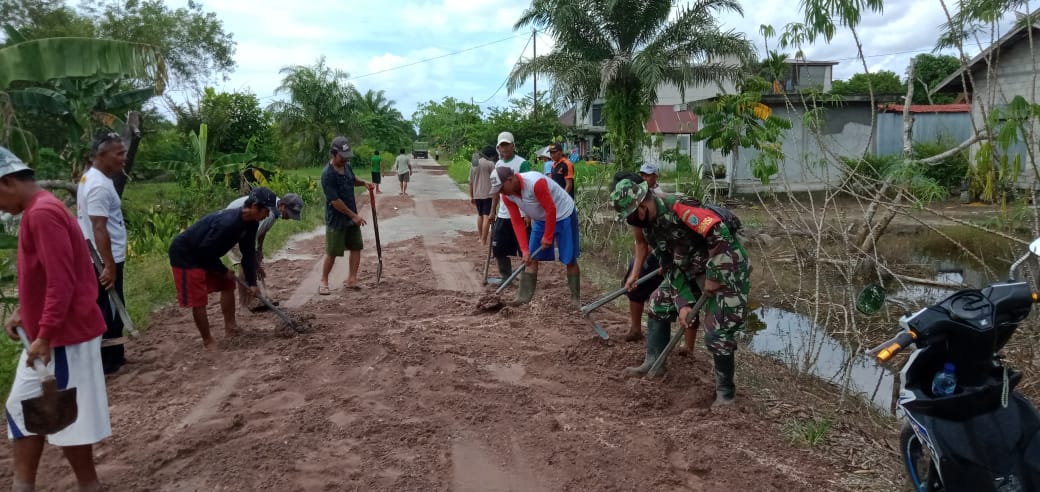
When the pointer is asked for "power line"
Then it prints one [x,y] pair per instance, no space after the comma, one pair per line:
[521,57]
[424,60]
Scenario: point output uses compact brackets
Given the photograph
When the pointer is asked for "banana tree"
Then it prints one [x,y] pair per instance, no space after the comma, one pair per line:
[84,82]
[201,167]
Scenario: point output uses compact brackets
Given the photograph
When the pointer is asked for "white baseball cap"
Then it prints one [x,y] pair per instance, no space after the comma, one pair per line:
[505,137]
[648,169]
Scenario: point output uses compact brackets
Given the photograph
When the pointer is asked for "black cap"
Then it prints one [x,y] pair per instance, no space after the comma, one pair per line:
[556,148]
[264,197]
[341,146]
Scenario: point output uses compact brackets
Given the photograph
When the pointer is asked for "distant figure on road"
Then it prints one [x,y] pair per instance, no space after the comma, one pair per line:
[342,222]
[195,259]
[287,207]
[377,170]
[480,191]
[99,211]
[503,239]
[57,290]
[403,166]
[437,155]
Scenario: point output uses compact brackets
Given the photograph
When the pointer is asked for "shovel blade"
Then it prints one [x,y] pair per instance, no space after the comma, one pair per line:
[493,281]
[52,411]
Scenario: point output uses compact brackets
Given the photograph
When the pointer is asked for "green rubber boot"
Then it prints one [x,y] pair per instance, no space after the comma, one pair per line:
[658,331]
[725,389]
[574,284]
[528,282]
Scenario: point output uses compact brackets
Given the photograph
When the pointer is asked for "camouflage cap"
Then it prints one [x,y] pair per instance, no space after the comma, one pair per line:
[627,196]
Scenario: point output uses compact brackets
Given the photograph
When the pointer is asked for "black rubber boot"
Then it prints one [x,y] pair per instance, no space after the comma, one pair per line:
[528,282]
[505,267]
[574,284]
[658,332]
[725,389]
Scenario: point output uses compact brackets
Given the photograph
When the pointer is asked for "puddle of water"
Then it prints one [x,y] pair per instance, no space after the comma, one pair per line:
[794,340]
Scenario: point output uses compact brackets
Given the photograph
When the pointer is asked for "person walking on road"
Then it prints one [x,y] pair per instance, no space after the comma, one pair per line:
[480,191]
[503,238]
[99,212]
[700,256]
[403,167]
[57,308]
[377,170]
[555,221]
[195,259]
[562,169]
[289,207]
[342,222]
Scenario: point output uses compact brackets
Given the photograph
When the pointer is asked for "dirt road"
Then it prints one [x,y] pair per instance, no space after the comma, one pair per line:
[404,386]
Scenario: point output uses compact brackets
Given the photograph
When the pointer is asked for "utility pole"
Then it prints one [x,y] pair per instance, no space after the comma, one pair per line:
[534,40]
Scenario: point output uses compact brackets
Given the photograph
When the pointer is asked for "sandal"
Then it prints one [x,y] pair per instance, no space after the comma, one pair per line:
[353,287]
[323,290]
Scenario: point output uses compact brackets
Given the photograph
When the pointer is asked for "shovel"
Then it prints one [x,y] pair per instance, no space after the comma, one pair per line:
[586,311]
[379,247]
[675,338]
[113,297]
[512,276]
[267,302]
[55,409]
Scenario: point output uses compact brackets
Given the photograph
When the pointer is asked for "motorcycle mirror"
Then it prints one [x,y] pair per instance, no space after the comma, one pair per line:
[1034,247]
[871,299]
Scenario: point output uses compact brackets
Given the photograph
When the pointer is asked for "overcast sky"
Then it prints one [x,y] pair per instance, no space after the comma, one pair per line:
[371,41]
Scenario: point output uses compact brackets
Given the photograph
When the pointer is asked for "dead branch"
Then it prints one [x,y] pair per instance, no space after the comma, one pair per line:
[55,184]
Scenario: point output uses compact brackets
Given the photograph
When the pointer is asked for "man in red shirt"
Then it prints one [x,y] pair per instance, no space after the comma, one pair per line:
[57,293]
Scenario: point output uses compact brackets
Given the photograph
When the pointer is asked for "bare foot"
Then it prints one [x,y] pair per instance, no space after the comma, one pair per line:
[209,344]
[634,336]
[684,352]
[231,331]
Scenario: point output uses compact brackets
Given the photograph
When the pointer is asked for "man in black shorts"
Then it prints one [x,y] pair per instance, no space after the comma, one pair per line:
[480,190]
[503,239]
[638,296]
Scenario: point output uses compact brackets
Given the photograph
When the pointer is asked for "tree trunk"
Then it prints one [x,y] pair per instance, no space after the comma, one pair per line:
[133,137]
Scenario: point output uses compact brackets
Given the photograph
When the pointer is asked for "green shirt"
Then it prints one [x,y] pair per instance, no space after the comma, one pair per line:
[376,164]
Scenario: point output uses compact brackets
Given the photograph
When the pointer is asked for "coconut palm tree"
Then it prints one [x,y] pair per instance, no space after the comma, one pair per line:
[321,105]
[622,50]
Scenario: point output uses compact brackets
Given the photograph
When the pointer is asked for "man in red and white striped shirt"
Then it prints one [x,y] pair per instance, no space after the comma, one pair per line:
[555,220]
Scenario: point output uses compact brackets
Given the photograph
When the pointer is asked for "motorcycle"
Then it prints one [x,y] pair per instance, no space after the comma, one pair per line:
[984,436]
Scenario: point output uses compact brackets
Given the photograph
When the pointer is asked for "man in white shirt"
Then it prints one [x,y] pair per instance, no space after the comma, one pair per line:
[503,238]
[99,211]
[403,166]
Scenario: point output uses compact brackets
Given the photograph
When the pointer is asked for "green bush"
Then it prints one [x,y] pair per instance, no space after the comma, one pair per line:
[948,173]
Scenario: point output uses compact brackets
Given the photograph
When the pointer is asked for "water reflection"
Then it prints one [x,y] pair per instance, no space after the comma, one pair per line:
[794,340]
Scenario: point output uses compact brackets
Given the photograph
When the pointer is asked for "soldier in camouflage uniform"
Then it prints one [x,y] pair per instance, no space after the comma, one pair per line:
[699,256]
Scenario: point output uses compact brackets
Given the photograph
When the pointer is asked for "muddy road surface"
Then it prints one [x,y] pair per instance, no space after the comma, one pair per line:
[405,385]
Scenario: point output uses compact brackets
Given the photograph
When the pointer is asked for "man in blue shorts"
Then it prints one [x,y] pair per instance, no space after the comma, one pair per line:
[555,219]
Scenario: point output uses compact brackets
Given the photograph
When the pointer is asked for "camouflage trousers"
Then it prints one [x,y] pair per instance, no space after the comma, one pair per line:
[723,313]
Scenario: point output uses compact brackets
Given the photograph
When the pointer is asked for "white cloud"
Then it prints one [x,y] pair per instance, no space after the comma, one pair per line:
[372,40]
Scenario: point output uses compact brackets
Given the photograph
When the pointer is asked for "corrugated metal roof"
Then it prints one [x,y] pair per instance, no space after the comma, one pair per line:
[928,108]
[665,119]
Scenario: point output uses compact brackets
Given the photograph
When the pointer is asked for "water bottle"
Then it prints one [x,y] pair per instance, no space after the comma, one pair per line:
[945,381]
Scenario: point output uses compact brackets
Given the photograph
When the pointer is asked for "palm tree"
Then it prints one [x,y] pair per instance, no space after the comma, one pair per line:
[623,50]
[375,102]
[322,104]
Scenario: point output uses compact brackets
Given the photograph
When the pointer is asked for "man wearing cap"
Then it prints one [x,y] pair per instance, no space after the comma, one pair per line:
[649,174]
[555,220]
[99,212]
[546,160]
[57,289]
[288,207]
[562,169]
[637,295]
[342,222]
[195,259]
[503,238]
[403,166]
[699,256]
[480,191]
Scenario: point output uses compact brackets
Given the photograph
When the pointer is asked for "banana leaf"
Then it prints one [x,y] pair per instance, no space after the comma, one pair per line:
[40,100]
[41,60]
